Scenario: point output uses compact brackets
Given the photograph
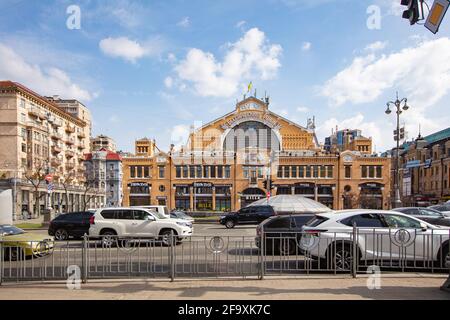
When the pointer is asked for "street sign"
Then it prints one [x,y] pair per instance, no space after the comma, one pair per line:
[436,15]
[412,164]
[50,188]
[49,178]
[268,195]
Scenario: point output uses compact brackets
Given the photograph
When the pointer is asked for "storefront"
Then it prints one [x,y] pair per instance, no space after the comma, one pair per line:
[139,194]
[371,196]
[305,189]
[182,197]
[223,197]
[325,195]
[251,195]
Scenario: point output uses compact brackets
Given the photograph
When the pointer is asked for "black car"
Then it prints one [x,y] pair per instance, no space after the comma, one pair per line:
[67,225]
[247,215]
[426,214]
[282,233]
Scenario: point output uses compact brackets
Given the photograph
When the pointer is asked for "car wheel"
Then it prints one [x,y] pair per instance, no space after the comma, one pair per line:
[108,238]
[61,235]
[341,258]
[230,224]
[14,254]
[166,237]
[443,257]
[287,246]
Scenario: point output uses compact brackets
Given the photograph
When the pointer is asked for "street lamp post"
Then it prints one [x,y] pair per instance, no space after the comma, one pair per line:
[399,105]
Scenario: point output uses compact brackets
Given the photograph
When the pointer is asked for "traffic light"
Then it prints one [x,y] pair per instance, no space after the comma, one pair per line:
[271,185]
[265,184]
[436,15]
[414,12]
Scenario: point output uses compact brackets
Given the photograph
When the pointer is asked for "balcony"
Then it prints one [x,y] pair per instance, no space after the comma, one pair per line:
[69,140]
[70,166]
[70,129]
[70,154]
[80,145]
[56,149]
[36,112]
[55,162]
[81,157]
[57,123]
[56,135]
[81,135]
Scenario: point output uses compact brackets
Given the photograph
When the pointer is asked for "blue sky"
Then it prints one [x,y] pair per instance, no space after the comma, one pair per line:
[153,68]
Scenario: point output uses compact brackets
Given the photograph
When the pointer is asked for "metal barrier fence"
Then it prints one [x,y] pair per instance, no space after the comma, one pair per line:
[271,253]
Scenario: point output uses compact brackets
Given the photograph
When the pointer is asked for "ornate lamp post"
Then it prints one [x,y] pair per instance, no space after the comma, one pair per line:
[399,105]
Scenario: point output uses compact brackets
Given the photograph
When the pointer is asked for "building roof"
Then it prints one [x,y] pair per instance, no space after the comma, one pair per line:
[110,155]
[15,85]
[437,136]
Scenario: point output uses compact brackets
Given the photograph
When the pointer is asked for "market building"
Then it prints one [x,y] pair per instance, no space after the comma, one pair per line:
[232,161]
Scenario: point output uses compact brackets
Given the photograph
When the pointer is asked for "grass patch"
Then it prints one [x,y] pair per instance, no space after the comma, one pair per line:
[29,225]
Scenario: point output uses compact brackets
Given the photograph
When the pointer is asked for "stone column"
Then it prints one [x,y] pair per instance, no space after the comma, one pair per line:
[191,198]
[316,194]
[214,198]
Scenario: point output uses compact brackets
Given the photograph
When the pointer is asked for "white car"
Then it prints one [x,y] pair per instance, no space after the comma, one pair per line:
[382,236]
[137,222]
[162,210]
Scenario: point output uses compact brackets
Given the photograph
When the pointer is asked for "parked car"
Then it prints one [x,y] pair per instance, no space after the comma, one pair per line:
[247,215]
[282,233]
[70,225]
[380,234]
[426,214]
[181,215]
[443,208]
[18,244]
[162,210]
[137,222]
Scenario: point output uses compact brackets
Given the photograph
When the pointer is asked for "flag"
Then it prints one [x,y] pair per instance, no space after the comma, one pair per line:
[250,85]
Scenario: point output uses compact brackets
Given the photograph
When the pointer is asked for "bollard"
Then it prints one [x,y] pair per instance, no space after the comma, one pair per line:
[84,262]
[2,256]
[262,249]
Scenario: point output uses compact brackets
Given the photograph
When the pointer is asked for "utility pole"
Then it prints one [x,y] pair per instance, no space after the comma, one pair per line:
[398,105]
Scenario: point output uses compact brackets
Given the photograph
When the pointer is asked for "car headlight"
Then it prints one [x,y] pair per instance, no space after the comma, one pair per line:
[184,224]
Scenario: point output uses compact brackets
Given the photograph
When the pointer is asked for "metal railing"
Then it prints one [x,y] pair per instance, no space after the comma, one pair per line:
[273,253]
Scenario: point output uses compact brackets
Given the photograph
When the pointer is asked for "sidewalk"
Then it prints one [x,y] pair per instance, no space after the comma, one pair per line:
[410,286]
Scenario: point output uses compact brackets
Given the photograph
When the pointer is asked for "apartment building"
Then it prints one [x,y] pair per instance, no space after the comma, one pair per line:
[43,153]
[103,142]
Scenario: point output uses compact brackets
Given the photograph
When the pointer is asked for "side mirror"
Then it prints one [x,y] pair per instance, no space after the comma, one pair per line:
[423,226]
[150,218]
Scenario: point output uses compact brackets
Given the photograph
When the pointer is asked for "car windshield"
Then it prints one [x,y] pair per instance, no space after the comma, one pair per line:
[10,230]
[157,214]
[181,215]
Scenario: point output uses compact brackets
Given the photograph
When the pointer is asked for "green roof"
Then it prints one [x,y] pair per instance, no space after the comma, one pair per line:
[437,136]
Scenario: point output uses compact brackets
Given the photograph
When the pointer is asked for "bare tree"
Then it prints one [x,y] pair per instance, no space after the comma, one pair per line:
[36,177]
[66,182]
[90,191]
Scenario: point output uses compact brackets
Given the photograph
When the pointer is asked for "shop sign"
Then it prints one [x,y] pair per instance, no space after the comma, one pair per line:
[139,184]
[202,184]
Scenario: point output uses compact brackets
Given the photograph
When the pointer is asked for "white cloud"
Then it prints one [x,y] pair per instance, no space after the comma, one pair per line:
[184,23]
[302,109]
[179,135]
[131,50]
[47,81]
[171,57]
[422,73]
[376,46]
[122,47]
[306,46]
[250,58]
[168,82]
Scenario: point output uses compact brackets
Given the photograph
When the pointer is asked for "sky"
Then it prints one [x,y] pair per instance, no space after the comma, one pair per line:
[154,68]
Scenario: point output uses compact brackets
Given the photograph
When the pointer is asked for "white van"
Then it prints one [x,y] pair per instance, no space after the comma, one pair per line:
[163,210]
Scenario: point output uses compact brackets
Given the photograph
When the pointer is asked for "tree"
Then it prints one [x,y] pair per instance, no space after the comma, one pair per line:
[90,191]
[36,177]
[66,183]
